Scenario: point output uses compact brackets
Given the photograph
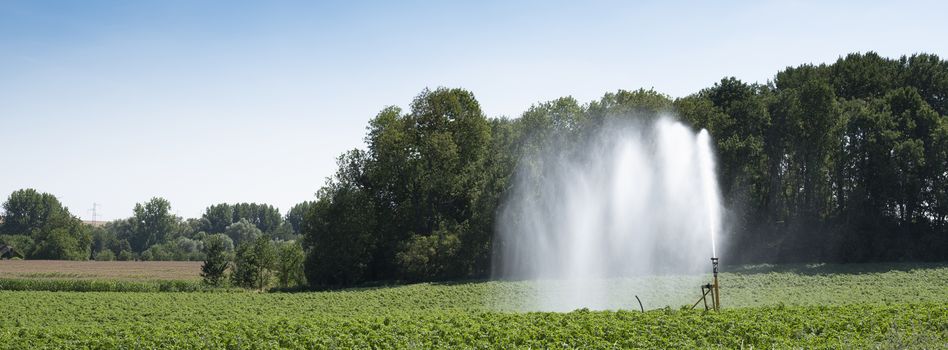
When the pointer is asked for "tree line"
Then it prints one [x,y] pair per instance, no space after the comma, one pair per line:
[841,162]
[253,242]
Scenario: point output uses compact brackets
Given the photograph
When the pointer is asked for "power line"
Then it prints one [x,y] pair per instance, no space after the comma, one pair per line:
[94,211]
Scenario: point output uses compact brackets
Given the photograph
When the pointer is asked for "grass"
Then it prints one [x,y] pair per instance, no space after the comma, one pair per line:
[825,306]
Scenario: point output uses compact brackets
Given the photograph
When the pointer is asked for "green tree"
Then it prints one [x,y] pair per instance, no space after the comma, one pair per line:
[265,217]
[289,267]
[338,229]
[254,263]
[55,233]
[22,244]
[429,257]
[152,222]
[216,259]
[217,217]
[65,242]
[243,231]
[626,105]
[294,216]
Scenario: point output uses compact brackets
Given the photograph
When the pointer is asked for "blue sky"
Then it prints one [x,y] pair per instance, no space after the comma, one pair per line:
[203,102]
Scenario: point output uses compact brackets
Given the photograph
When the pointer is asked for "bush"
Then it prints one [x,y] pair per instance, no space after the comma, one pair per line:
[105,255]
[243,231]
[158,252]
[126,255]
[428,257]
[188,249]
[22,244]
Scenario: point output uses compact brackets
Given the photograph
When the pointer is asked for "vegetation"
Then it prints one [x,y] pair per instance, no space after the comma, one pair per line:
[216,261]
[823,306]
[255,263]
[845,162]
[43,228]
[101,285]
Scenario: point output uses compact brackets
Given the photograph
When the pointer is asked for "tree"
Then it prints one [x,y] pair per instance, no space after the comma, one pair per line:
[104,240]
[69,242]
[243,231]
[337,231]
[152,223]
[55,233]
[289,269]
[294,216]
[265,217]
[216,259]
[22,244]
[254,263]
[27,210]
[429,257]
[217,217]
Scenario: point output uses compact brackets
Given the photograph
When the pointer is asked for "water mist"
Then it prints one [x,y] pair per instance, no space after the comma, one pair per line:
[590,224]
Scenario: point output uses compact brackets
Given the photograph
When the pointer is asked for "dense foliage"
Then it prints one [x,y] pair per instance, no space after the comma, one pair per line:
[38,226]
[783,307]
[216,261]
[842,162]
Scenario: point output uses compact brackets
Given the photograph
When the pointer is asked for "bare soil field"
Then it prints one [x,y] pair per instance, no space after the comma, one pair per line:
[101,270]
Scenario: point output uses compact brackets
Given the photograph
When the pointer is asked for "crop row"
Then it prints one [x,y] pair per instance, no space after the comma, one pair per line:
[157,326]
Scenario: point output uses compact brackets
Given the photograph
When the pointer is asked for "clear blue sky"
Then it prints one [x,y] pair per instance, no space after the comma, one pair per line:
[203,102]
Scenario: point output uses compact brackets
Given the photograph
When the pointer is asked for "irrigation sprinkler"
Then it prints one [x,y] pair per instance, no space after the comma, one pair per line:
[711,289]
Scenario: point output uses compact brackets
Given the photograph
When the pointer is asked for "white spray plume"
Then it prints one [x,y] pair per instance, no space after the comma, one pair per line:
[640,199]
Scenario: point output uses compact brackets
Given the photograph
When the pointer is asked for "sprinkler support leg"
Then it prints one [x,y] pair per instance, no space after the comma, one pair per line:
[716,296]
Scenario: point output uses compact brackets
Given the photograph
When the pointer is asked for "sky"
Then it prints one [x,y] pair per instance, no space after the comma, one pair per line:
[205,102]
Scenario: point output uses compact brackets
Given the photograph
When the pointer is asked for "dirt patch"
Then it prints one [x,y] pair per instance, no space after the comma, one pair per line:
[112,270]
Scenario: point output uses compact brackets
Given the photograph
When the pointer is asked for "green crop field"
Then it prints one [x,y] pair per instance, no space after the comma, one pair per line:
[851,306]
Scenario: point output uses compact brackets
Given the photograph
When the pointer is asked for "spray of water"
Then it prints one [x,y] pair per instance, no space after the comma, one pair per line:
[709,187]
[638,200]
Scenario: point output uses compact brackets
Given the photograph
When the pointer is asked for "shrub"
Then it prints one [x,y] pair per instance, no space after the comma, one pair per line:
[105,255]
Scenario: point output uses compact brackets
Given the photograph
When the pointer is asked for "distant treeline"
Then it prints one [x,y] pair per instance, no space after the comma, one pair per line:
[845,162]
[254,242]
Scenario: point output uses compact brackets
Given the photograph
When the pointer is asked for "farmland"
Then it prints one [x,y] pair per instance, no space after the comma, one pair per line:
[101,270]
[856,306]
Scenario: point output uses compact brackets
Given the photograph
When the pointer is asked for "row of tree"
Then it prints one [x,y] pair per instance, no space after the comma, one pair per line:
[257,263]
[246,244]
[38,226]
[840,162]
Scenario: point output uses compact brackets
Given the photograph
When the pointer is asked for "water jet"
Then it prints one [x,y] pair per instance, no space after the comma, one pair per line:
[635,199]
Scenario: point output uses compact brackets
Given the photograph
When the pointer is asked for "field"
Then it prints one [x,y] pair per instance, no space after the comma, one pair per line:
[101,270]
[88,276]
[822,306]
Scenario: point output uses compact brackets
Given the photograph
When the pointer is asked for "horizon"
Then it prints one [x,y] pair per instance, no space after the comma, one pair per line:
[115,103]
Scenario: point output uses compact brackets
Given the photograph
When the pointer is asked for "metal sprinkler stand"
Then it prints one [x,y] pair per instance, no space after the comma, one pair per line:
[711,288]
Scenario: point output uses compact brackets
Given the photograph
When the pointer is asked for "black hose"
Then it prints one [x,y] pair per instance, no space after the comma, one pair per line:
[640,303]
